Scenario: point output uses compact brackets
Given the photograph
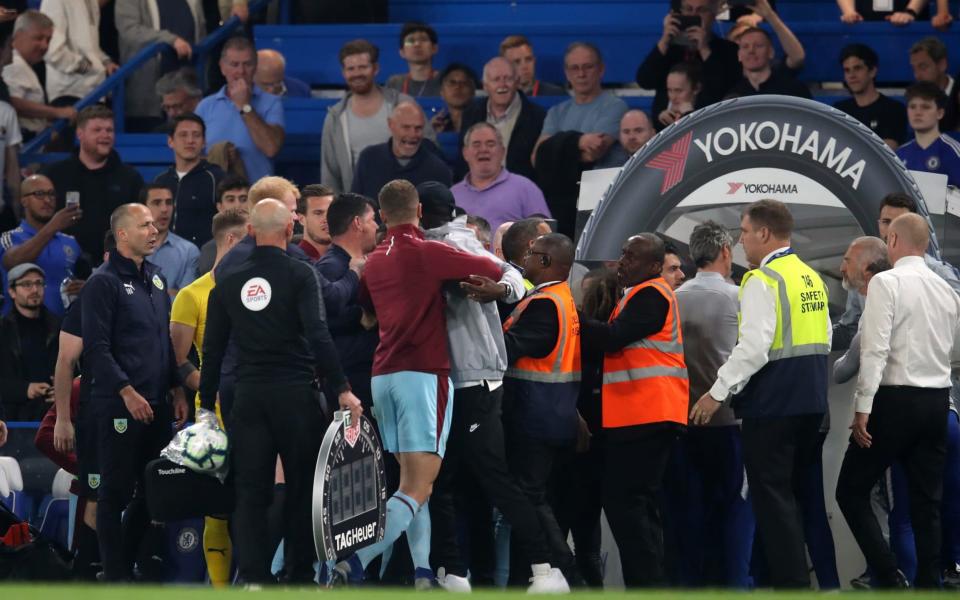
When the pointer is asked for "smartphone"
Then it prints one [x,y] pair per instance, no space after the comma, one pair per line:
[685,22]
[73,199]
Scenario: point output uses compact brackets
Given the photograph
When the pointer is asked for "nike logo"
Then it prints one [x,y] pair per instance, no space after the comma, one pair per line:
[474,427]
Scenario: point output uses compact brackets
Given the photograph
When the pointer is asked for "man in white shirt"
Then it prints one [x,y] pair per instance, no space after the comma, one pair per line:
[909,331]
[75,62]
[31,39]
[778,375]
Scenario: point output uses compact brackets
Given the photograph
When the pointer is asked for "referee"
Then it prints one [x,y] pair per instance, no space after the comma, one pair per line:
[272,304]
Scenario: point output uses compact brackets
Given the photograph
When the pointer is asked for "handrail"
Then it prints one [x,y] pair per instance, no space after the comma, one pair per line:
[115,83]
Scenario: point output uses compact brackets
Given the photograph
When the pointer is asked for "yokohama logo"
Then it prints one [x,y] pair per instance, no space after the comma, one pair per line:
[672,162]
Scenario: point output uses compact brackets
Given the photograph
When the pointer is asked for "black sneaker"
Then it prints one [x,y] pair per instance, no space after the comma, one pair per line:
[951,577]
[862,581]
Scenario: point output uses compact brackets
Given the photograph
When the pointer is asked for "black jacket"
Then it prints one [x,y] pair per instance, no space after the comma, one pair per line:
[526,131]
[355,344]
[13,373]
[720,72]
[559,169]
[101,191]
[377,166]
[126,331]
[196,200]
[271,305]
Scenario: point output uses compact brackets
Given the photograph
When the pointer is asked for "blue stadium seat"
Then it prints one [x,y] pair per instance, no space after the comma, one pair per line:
[570,11]
[311,50]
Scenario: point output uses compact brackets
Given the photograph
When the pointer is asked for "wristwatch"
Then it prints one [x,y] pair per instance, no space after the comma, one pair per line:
[911,12]
[246,108]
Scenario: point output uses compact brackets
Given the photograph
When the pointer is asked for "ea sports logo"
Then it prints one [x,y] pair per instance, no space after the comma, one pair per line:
[255,294]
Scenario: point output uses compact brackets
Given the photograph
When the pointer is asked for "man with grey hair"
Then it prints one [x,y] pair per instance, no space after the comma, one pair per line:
[718,516]
[271,76]
[31,38]
[179,93]
[518,120]
[403,156]
[489,190]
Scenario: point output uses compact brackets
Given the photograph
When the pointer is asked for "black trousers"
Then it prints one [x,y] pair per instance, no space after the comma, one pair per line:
[632,478]
[475,448]
[532,464]
[124,447]
[907,426]
[577,500]
[268,419]
[777,453]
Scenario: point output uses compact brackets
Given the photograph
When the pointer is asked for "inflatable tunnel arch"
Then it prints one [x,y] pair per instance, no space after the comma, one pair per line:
[745,149]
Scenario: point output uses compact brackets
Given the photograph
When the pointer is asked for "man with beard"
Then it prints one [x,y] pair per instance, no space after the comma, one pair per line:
[360,119]
[104,182]
[40,239]
[403,156]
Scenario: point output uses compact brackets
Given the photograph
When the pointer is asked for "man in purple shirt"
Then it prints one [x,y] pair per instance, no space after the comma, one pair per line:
[489,190]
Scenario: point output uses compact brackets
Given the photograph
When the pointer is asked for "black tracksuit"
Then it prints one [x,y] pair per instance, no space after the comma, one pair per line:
[125,321]
[195,200]
[271,303]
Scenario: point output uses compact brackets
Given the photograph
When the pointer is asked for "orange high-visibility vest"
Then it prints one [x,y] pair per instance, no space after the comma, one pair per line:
[646,381]
[544,390]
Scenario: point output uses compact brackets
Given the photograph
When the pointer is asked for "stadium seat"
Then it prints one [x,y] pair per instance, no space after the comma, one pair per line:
[185,551]
[53,515]
[311,50]
[16,499]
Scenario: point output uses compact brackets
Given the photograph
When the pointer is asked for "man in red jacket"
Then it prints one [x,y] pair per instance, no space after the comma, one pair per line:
[412,392]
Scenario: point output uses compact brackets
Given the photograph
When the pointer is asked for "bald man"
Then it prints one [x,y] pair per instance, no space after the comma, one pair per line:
[39,239]
[130,366]
[271,304]
[271,77]
[518,120]
[909,333]
[403,156]
[636,129]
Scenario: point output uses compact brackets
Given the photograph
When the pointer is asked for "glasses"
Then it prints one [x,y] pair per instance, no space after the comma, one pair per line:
[535,253]
[42,194]
[38,284]
[586,68]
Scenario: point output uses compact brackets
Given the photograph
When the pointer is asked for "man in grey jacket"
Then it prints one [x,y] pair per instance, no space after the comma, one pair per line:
[360,119]
[143,22]
[478,359]
[719,516]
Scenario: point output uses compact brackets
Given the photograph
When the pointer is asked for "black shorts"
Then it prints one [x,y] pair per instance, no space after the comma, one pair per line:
[87,463]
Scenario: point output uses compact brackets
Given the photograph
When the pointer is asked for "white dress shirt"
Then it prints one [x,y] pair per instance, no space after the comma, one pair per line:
[909,329]
[23,83]
[758,307]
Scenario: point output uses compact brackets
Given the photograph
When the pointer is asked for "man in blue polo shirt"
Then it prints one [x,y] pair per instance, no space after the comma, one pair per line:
[39,239]
[176,256]
[243,113]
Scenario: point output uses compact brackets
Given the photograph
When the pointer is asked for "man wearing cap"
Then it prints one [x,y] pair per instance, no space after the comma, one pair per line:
[28,346]
[478,361]
[39,239]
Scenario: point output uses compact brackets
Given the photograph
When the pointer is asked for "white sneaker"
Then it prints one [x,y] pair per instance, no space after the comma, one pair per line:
[547,580]
[453,583]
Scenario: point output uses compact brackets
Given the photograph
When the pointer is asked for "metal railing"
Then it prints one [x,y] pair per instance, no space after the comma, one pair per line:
[114,84]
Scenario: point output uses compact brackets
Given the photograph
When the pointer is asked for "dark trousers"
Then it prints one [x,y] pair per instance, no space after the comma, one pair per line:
[475,448]
[577,500]
[124,448]
[907,426]
[531,462]
[708,515]
[777,453]
[268,419]
[816,523]
[633,476]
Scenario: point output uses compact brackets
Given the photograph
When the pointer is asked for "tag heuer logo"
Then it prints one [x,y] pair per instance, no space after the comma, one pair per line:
[351,434]
[120,425]
[93,480]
